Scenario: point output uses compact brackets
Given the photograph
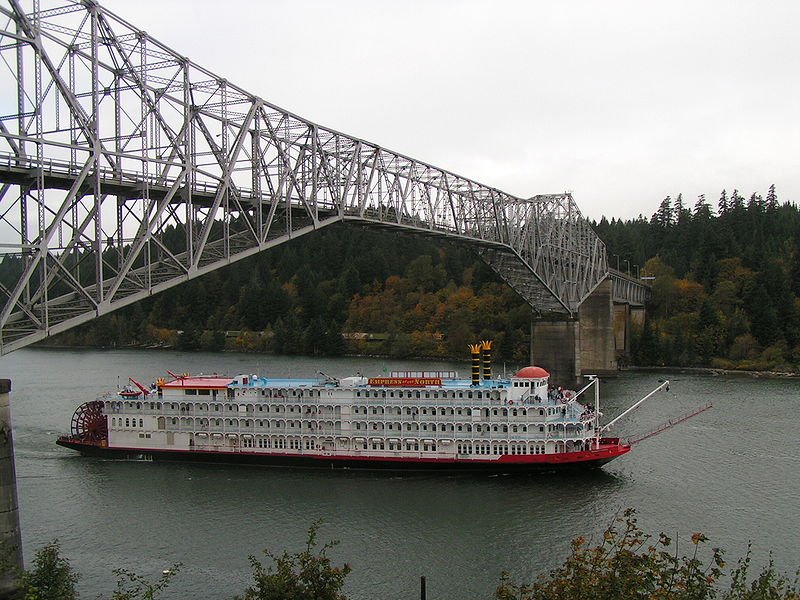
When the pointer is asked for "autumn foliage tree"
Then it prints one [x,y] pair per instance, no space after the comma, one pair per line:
[628,564]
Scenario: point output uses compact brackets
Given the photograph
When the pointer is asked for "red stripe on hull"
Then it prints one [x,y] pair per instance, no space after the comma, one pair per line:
[589,459]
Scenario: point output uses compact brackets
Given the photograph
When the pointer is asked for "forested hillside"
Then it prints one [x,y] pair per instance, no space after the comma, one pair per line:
[725,277]
[726,281]
[341,290]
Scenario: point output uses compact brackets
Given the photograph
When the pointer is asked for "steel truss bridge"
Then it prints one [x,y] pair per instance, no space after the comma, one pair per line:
[127,169]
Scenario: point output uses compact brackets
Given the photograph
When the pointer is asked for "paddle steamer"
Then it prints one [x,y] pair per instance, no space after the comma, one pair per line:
[407,420]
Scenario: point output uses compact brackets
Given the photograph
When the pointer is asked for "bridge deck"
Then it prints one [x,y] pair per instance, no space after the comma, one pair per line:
[117,141]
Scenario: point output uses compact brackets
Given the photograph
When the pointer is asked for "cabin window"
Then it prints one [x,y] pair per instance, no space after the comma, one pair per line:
[204,392]
[141,423]
[127,422]
[191,392]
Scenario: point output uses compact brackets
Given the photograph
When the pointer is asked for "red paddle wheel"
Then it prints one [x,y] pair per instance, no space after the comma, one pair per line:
[89,423]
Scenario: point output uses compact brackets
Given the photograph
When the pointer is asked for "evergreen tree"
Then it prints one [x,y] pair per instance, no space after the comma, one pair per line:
[663,217]
[701,208]
[737,201]
[763,317]
[772,198]
[723,203]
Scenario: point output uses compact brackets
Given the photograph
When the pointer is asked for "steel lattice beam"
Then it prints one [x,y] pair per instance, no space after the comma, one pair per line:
[127,169]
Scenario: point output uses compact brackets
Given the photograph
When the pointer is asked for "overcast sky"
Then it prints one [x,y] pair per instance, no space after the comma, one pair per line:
[620,102]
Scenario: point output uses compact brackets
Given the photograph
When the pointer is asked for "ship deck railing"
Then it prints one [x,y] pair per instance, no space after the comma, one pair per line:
[349,452]
[177,412]
[483,436]
[381,401]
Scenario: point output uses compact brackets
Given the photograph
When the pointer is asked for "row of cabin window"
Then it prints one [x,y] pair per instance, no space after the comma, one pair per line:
[445,395]
[468,427]
[274,393]
[128,422]
[311,393]
[312,425]
[407,445]
[311,444]
[431,410]
[362,410]
[501,449]
[290,424]
[219,408]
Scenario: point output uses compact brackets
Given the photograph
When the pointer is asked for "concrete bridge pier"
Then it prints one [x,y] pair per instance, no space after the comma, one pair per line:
[10,538]
[573,348]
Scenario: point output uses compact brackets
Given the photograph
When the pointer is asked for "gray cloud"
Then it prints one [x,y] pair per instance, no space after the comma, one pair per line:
[622,102]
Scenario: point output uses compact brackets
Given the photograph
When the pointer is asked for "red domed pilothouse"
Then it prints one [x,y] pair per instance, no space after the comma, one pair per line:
[532,373]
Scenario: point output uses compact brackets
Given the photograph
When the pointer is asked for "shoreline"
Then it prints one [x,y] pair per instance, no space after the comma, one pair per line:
[715,372]
[712,371]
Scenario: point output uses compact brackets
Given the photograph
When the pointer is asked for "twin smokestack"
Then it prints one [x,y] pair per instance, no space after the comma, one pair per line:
[476,349]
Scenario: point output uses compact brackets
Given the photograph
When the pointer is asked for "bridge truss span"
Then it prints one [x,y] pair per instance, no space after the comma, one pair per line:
[127,169]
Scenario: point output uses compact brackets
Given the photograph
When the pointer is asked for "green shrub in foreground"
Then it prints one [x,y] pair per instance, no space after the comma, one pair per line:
[631,565]
[626,564]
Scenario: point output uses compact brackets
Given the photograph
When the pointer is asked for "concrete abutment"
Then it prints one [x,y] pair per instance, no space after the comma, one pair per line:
[594,343]
[10,538]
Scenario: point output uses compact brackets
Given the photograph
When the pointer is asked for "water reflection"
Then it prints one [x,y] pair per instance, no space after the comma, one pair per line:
[729,472]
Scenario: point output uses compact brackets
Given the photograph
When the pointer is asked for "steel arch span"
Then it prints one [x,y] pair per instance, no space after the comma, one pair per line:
[112,142]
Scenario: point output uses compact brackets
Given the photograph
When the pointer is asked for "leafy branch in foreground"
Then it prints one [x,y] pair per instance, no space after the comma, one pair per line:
[298,576]
[630,565]
[131,586]
[50,578]
[626,564]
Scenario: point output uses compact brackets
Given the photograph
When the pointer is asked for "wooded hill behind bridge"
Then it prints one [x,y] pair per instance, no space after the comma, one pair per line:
[725,293]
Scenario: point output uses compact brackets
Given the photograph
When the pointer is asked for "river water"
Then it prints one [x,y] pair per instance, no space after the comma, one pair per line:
[732,472]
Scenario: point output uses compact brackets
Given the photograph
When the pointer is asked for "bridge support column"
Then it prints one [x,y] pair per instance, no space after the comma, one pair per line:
[554,346]
[10,538]
[570,349]
[622,330]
